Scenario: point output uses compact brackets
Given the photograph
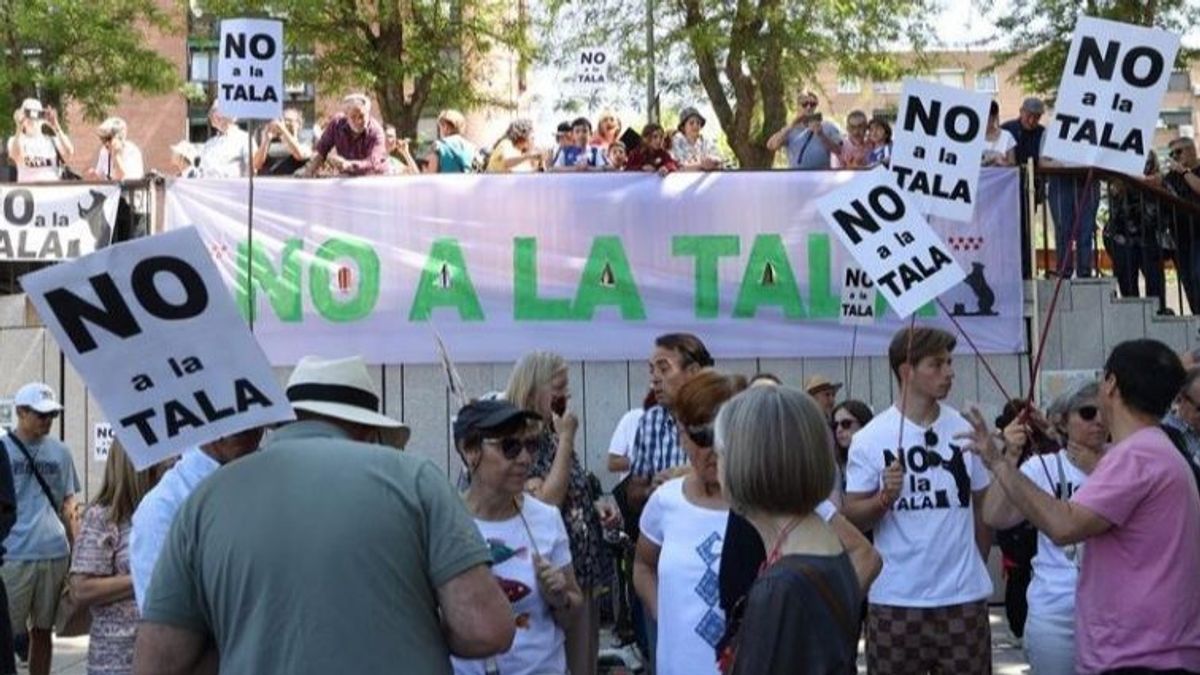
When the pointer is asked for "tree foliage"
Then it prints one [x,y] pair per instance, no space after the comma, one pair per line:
[85,52]
[1037,33]
[411,54]
[749,56]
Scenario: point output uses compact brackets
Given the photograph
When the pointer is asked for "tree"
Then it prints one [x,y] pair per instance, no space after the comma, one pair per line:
[1038,32]
[411,54]
[748,56]
[86,52]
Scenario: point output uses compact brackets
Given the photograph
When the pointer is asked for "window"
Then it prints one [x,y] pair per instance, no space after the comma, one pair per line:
[985,83]
[1181,80]
[1176,118]
[203,66]
[950,78]
[849,85]
[892,87]
[888,114]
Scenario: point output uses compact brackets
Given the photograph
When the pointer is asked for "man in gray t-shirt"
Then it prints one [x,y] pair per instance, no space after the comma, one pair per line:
[810,142]
[324,552]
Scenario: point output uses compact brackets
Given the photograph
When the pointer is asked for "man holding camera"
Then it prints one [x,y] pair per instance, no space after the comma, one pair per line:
[39,144]
[119,158]
[280,150]
[810,141]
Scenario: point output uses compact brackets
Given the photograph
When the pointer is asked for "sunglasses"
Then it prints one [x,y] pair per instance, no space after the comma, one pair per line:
[1175,153]
[1087,413]
[46,416]
[808,104]
[844,425]
[702,434]
[511,447]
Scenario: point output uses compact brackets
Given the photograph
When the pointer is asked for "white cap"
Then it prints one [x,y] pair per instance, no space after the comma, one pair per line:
[31,105]
[38,396]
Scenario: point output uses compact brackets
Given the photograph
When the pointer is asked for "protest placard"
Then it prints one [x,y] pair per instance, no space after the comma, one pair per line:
[55,223]
[858,297]
[908,262]
[153,331]
[250,69]
[940,137]
[102,440]
[1111,89]
[591,70]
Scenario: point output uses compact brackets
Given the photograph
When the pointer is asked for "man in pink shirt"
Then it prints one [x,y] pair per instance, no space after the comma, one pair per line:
[1137,607]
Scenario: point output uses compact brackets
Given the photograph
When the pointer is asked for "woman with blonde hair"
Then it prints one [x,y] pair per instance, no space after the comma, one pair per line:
[539,383]
[100,577]
[608,130]
[451,152]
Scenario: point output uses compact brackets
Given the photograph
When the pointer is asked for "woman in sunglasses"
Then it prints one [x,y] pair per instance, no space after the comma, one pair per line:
[1050,626]
[679,551]
[849,417]
[531,558]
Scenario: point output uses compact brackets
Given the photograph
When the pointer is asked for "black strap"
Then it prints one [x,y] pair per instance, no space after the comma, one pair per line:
[12,435]
[334,393]
[836,608]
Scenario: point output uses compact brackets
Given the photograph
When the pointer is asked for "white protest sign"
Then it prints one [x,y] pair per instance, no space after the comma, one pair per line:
[153,331]
[250,69]
[940,137]
[909,264]
[1109,97]
[102,440]
[55,223]
[592,69]
[858,298]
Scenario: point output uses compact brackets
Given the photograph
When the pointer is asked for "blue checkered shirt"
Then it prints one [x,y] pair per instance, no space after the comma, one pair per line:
[656,445]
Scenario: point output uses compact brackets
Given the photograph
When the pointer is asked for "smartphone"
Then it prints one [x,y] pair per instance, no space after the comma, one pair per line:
[559,406]
[816,117]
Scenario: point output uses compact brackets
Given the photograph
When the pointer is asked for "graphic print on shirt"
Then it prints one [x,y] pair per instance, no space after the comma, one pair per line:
[514,590]
[712,624]
[919,460]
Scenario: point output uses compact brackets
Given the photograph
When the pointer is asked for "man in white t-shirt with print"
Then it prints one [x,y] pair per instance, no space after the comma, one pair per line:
[928,609]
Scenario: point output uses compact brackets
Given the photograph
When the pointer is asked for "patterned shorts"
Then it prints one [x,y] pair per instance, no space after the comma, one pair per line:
[953,640]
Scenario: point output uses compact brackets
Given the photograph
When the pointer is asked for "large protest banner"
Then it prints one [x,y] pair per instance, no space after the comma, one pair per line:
[151,328]
[55,223]
[940,137]
[593,266]
[1111,89]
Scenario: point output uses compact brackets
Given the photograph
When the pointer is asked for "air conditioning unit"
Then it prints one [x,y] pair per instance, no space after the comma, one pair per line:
[1187,131]
[1196,90]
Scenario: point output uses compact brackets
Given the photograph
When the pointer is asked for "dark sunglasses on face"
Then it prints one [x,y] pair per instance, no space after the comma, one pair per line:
[1087,413]
[702,434]
[809,104]
[511,447]
[46,416]
[844,425]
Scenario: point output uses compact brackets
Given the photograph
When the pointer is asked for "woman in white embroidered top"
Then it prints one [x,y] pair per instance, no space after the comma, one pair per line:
[531,558]
[675,571]
[39,144]
[691,150]
[1050,628]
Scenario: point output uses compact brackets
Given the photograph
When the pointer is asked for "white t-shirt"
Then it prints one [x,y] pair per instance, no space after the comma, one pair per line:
[1052,590]
[927,540]
[622,438]
[1003,143]
[134,167]
[226,155]
[690,620]
[39,159]
[539,646]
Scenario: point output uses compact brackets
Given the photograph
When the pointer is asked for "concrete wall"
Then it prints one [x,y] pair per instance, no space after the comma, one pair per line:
[1089,323]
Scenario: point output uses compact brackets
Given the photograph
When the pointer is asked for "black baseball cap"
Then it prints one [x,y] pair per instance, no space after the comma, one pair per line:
[484,416]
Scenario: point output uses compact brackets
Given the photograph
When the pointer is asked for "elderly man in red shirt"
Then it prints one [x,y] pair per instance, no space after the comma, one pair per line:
[353,144]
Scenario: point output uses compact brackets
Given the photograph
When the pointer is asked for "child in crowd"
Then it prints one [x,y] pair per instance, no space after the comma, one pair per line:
[618,158]
[579,155]
[881,140]
[652,154]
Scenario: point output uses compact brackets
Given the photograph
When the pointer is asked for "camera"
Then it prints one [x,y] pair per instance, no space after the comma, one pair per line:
[33,114]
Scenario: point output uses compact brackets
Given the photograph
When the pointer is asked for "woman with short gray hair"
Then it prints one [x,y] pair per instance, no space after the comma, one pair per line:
[514,152]
[1050,626]
[776,463]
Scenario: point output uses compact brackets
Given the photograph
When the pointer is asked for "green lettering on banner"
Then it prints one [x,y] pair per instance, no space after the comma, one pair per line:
[760,287]
[822,303]
[707,249]
[616,288]
[282,289]
[527,306]
[458,291]
[319,278]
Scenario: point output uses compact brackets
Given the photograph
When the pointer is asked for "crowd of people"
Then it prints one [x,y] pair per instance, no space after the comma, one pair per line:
[774,527]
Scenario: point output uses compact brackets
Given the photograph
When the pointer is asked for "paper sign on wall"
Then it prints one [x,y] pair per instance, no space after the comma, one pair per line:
[940,137]
[1109,97]
[858,297]
[250,69]
[102,440]
[154,333]
[908,262]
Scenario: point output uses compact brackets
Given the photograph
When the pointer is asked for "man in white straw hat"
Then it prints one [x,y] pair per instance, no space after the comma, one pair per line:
[324,552]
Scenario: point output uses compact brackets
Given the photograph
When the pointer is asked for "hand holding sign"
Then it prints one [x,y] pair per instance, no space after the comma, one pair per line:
[155,335]
[1111,89]
[905,257]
